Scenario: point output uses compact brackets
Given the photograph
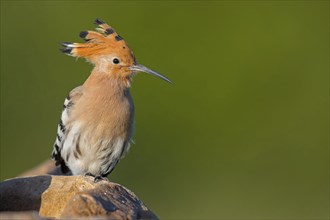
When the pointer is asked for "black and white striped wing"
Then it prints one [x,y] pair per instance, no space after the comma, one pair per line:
[62,129]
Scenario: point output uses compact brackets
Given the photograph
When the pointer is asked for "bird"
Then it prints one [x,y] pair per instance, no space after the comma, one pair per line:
[97,122]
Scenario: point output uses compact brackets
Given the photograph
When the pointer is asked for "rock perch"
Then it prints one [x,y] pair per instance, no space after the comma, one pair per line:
[69,197]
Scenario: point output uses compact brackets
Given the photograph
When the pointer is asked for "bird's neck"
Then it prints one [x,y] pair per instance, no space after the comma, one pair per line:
[107,83]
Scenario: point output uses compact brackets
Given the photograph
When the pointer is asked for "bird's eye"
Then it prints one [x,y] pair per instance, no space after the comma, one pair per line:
[115,61]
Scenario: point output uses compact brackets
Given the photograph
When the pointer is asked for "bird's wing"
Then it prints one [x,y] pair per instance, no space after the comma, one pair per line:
[69,102]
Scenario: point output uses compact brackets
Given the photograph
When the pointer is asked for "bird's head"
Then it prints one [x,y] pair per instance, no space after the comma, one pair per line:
[108,52]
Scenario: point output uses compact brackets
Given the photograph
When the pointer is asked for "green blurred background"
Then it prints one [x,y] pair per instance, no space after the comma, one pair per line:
[243,132]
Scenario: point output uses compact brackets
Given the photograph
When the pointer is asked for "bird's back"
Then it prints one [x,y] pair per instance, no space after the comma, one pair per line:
[62,127]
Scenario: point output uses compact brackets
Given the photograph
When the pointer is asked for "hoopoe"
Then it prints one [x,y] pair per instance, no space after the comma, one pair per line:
[96,126]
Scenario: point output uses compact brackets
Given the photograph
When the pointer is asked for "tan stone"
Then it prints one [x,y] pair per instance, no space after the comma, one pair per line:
[61,189]
[71,197]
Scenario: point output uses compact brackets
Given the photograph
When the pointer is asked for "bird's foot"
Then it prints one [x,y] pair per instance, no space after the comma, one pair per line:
[97,178]
[100,178]
[89,174]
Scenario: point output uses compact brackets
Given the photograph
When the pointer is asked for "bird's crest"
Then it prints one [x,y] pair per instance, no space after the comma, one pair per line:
[103,41]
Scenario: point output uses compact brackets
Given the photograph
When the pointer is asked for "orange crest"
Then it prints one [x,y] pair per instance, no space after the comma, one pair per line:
[105,41]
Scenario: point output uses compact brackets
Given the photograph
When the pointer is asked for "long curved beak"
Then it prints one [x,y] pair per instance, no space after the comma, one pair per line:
[141,68]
